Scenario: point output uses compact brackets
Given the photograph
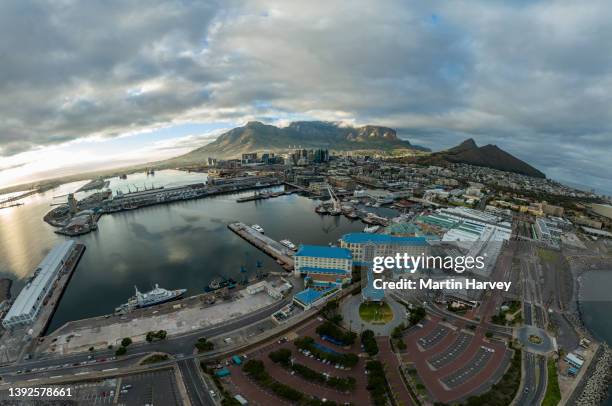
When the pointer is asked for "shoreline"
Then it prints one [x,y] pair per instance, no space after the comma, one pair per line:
[595,385]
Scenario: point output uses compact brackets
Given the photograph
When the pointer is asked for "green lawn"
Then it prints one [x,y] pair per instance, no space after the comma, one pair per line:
[378,313]
[553,393]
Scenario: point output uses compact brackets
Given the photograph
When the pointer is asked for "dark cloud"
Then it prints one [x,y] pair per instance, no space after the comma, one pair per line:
[534,77]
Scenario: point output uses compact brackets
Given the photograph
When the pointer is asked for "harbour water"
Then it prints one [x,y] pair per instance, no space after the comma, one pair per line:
[178,245]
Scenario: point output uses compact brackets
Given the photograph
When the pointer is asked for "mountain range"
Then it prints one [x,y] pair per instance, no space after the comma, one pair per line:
[257,136]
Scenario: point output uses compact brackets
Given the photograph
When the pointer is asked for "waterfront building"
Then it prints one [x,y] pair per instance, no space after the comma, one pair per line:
[28,304]
[325,264]
[381,245]
[322,257]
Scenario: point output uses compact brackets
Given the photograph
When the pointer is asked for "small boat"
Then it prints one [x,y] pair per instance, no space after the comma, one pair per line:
[220,283]
[257,228]
[288,244]
[372,229]
[321,210]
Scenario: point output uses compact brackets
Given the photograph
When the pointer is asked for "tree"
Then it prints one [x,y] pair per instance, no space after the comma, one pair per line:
[120,351]
[126,341]
[91,349]
[282,355]
[368,341]
[416,315]
[204,345]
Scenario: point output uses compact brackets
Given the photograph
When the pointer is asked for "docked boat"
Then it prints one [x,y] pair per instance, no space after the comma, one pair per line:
[335,212]
[372,229]
[321,210]
[288,244]
[150,298]
[220,283]
[257,228]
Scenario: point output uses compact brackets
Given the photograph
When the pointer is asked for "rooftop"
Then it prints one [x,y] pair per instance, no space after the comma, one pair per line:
[309,296]
[320,251]
[361,238]
[43,274]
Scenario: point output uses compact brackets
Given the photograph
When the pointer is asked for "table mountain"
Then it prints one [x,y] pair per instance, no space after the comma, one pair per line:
[257,136]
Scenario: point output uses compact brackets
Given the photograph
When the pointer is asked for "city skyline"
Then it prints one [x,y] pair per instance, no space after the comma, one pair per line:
[528,76]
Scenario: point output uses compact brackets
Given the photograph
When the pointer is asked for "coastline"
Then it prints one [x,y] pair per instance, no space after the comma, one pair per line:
[595,385]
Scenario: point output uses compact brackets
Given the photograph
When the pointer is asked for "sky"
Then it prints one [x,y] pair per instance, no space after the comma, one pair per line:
[89,85]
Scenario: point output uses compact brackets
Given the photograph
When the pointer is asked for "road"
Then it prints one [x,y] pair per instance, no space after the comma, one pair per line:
[527,396]
[79,364]
[197,389]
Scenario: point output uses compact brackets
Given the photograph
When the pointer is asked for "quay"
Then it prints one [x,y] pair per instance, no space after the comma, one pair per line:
[264,196]
[32,310]
[273,248]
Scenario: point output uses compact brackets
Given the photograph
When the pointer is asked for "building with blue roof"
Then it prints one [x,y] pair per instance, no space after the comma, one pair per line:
[365,246]
[313,297]
[321,260]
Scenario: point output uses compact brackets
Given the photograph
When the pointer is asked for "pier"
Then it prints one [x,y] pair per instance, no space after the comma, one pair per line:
[273,248]
[264,196]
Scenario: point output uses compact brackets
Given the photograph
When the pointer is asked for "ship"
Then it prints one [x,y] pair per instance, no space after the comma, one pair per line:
[257,228]
[288,244]
[150,298]
[220,283]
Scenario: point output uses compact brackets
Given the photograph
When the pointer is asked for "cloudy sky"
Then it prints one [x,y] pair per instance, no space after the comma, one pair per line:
[103,83]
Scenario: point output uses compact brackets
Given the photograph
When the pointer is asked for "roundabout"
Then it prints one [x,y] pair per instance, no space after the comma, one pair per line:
[376,313]
[381,318]
[535,339]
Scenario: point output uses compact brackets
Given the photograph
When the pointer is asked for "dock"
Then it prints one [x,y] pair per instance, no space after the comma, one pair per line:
[273,248]
[264,196]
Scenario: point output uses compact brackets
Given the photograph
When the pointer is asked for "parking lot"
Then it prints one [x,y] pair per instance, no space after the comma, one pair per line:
[451,353]
[434,337]
[154,388]
[469,370]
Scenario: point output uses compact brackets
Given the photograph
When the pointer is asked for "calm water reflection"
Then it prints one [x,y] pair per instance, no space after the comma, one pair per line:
[180,245]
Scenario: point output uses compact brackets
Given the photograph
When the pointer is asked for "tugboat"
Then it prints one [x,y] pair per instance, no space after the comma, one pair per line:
[220,283]
[257,228]
[150,298]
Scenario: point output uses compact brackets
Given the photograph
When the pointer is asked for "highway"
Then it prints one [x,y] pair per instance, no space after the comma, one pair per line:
[542,379]
[527,396]
[197,389]
[79,364]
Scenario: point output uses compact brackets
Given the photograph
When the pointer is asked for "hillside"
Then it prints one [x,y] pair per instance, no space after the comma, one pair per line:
[490,156]
[256,136]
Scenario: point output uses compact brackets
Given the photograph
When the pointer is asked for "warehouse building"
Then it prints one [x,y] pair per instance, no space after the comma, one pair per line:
[27,305]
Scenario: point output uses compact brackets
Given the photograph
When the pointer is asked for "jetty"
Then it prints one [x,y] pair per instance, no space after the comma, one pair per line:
[273,248]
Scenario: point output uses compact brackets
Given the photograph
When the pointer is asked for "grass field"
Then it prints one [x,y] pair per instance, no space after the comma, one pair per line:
[378,313]
[553,393]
